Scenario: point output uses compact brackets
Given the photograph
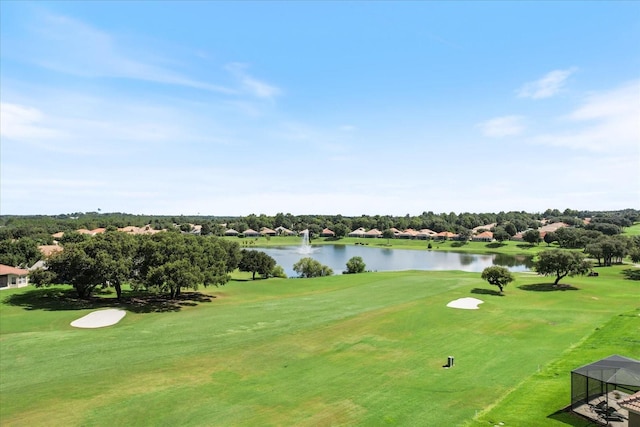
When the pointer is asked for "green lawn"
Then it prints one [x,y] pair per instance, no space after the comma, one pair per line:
[634,230]
[362,349]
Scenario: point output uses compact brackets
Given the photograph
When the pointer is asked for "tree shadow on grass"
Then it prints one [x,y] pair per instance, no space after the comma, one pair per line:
[494,245]
[55,299]
[631,273]
[547,287]
[482,291]
[525,246]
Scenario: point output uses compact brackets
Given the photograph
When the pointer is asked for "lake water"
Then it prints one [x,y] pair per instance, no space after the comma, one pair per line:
[383,259]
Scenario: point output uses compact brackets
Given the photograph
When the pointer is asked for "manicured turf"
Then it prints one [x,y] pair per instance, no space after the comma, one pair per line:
[362,349]
[634,230]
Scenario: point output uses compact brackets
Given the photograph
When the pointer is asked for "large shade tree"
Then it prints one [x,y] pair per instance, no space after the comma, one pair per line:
[169,262]
[532,237]
[102,261]
[256,262]
[607,250]
[309,267]
[561,263]
[497,276]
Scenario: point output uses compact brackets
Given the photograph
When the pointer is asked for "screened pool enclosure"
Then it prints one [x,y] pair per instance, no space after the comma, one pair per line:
[597,387]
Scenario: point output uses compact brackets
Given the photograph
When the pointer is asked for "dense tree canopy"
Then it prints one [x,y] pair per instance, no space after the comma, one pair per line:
[309,267]
[256,262]
[355,265]
[40,227]
[19,253]
[172,261]
[165,262]
[532,237]
[500,234]
[607,250]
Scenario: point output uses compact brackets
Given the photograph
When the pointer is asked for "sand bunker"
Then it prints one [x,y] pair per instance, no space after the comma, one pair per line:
[465,303]
[100,319]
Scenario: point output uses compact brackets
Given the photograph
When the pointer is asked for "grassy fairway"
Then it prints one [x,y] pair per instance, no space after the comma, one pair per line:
[362,349]
[634,230]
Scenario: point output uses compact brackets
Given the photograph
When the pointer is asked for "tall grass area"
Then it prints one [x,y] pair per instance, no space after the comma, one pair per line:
[363,349]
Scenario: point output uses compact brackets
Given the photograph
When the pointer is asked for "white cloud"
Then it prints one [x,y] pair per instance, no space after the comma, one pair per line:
[502,126]
[252,85]
[605,121]
[94,125]
[547,86]
[70,46]
[22,122]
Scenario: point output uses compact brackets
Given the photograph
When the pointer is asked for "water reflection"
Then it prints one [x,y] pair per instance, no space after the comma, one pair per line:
[385,259]
[513,260]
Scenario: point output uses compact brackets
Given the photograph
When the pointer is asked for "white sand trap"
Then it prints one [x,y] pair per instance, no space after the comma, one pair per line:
[465,303]
[100,319]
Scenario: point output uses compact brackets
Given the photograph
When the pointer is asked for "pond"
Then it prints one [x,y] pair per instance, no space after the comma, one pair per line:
[385,259]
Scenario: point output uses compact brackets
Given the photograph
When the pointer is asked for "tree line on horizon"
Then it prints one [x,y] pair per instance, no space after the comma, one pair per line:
[20,236]
[41,227]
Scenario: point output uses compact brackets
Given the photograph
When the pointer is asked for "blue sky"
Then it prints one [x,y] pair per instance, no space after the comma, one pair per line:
[232,108]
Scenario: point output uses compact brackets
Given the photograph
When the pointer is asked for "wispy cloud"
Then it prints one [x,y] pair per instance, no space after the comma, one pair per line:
[22,122]
[90,125]
[252,85]
[70,46]
[605,121]
[502,126]
[549,85]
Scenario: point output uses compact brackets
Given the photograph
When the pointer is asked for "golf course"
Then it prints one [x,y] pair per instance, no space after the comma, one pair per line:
[365,349]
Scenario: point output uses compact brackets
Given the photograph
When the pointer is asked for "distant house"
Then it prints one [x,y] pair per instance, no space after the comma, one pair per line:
[481,228]
[147,229]
[48,250]
[98,231]
[12,277]
[553,227]
[267,232]
[357,233]
[282,231]
[395,231]
[250,233]
[409,233]
[426,234]
[39,264]
[231,232]
[373,233]
[327,233]
[128,229]
[445,235]
[485,236]
[58,235]
[196,229]
[518,237]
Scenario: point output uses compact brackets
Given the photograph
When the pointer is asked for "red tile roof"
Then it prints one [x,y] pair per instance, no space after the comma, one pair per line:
[6,269]
[48,250]
[631,403]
